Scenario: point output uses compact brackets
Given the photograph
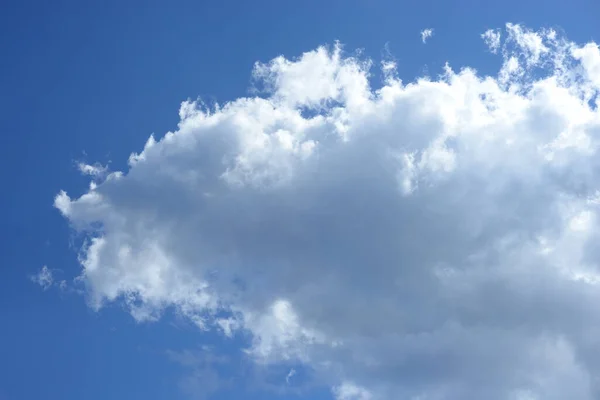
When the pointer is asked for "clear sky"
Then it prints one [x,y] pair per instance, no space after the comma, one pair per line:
[311,237]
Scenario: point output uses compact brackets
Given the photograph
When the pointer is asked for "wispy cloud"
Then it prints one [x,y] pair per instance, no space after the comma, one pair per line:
[426,34]
[290,375]
[44,278]
[492,38]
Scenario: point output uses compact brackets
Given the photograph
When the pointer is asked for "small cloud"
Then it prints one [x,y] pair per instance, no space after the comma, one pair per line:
[96,170]
[528,42]
[389,67]
[290,375]
[43,278]
[350,391]
[228,325]
[46,278]
[426,34]
[491,38]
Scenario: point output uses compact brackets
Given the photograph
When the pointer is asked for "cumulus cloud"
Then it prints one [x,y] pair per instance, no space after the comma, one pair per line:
[423,240]
[426,34]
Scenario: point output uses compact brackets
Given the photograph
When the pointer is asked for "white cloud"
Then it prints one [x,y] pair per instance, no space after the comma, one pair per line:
[349,391]
[426,34]
[492,38]
[43,278]
[589,55]
[531,43]
[426,240]
[96,170]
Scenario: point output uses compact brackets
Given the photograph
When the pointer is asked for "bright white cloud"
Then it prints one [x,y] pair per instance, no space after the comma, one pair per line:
[589,56]
[426,34]
[96,170]
[530,42]
[492,39]
[430,240]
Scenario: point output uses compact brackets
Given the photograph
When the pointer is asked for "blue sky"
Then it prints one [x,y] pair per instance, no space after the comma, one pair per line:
[90,81]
